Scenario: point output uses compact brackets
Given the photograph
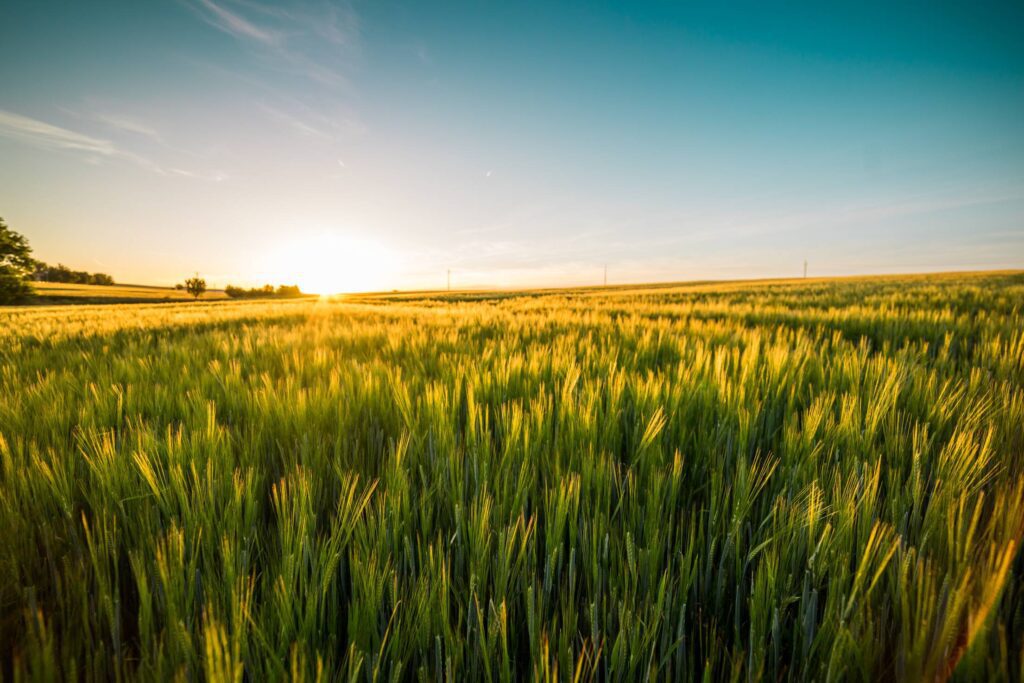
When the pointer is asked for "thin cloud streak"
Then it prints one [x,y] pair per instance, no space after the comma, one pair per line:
[128,125]
[336,29]
[234,24]
[296,124]
[336,23]
[37,133]
[42,134]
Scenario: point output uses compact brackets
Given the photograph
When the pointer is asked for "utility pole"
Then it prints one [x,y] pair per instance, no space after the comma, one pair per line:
[606,275]
[805,269]
[449,279]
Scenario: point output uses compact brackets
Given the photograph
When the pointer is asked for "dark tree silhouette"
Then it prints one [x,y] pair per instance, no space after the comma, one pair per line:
[16,264]
[264,292]
[195,286]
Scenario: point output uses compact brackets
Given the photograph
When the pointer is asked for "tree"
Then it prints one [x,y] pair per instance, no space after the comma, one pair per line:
[195,286]
[16,265]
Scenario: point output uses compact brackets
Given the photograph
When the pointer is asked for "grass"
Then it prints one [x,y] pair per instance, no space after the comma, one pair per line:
[812,480]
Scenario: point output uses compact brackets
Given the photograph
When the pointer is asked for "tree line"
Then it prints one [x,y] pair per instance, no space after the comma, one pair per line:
[60,273]
[264,292]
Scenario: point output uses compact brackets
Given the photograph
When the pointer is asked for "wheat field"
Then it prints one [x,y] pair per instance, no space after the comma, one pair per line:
[56,293]
[803,480]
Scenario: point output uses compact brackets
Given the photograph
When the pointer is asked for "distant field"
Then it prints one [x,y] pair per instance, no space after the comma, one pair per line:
[50,293]
[669,288]
[807,480]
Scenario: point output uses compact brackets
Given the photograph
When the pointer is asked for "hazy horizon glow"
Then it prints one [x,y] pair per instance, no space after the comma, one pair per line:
[324,262]
[357,146]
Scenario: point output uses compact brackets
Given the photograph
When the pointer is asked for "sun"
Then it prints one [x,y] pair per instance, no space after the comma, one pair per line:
[333,264]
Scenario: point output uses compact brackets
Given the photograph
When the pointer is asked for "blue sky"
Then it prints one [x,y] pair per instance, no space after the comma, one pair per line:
[516,144]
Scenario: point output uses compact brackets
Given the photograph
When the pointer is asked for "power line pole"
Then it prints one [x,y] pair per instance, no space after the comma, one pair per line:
[449,279]
[606,275]
[805,269]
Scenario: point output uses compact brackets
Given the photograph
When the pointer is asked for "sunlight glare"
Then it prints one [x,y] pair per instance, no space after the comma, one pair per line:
[331,264]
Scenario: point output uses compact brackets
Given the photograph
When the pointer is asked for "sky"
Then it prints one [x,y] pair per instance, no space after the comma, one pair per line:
[384,145]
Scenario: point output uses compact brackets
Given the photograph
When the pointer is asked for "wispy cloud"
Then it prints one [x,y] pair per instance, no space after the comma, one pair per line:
[334,22]
[317,42]
[38,133]
[233,23]
[128,125]
[42,134]
[296,124]
[864,214]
